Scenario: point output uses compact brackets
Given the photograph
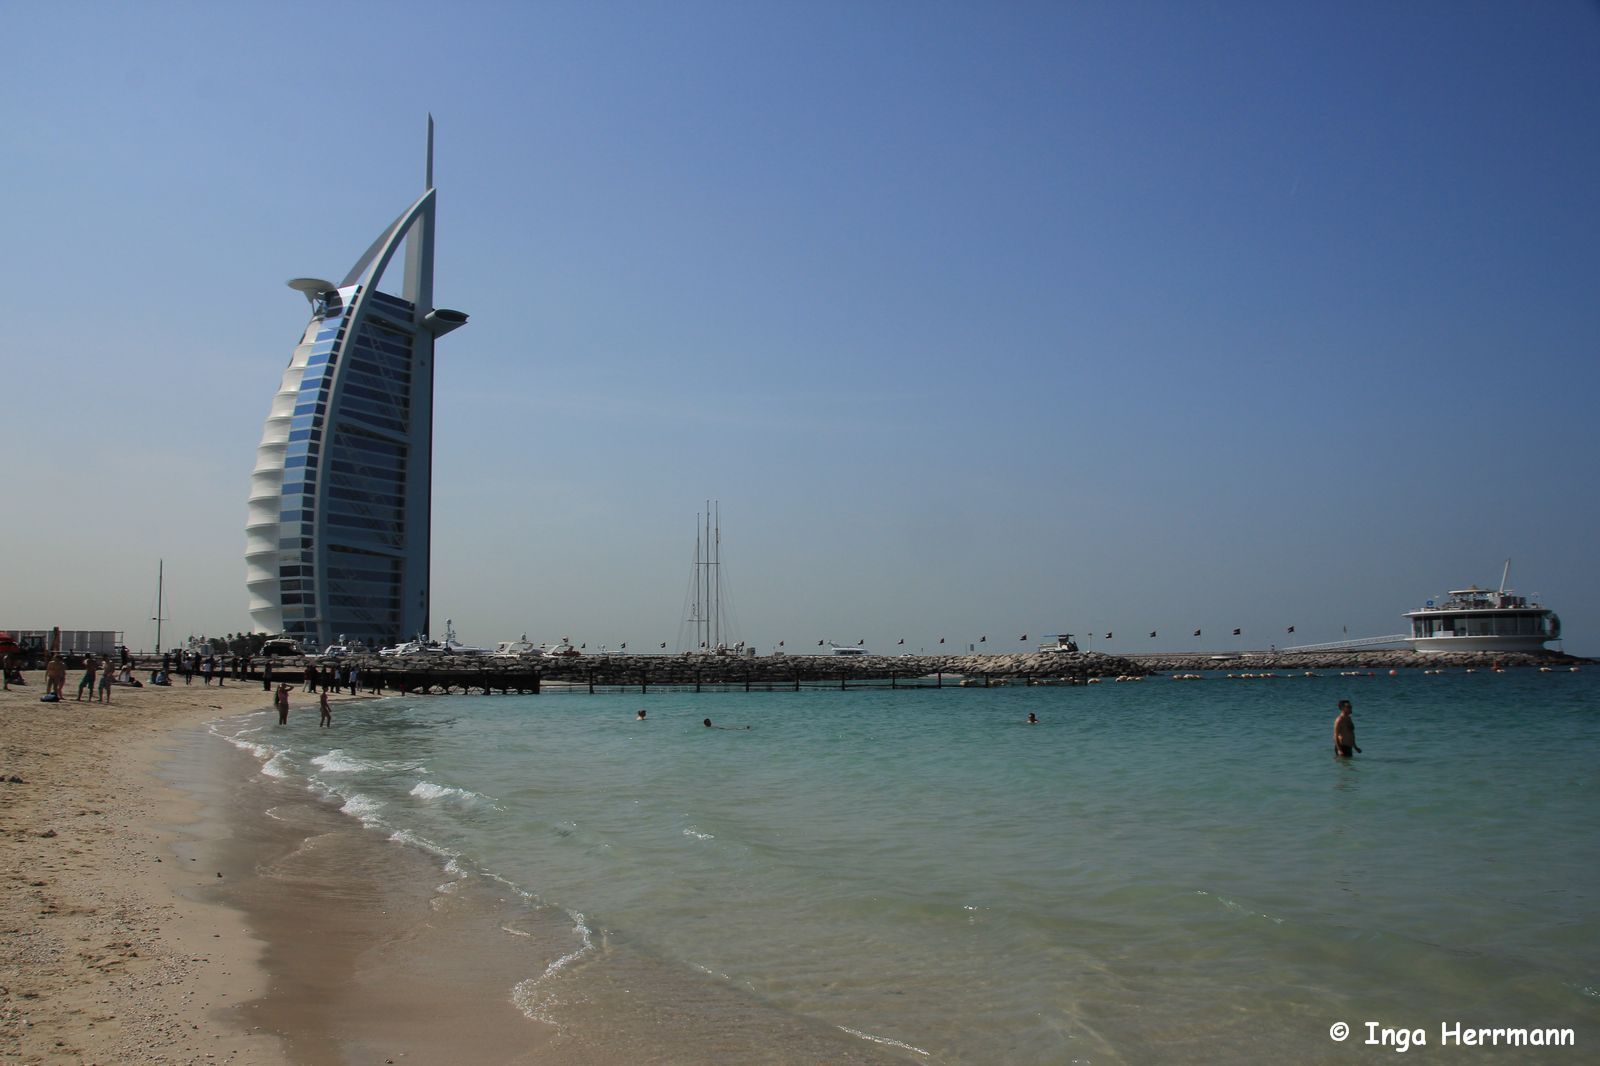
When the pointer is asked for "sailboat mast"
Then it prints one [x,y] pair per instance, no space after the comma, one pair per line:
[694,583]
[706,577]
[717,563]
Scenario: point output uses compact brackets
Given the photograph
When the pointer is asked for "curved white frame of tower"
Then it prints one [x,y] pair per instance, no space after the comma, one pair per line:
[337,541]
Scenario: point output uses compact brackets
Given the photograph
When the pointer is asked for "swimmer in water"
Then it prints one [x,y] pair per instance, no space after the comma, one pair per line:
[640,716]
[1033,719]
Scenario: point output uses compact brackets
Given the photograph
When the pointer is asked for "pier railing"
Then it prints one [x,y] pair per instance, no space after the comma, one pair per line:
[1344,645]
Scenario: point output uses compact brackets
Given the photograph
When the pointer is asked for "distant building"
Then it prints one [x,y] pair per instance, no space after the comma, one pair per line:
[337,540]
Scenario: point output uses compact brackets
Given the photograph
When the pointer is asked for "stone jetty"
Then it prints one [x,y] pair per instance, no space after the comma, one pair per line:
[445,674]
[1376,661]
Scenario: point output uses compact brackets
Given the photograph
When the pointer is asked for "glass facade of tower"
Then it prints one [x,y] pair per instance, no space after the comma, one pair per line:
[348,470]
[338,536]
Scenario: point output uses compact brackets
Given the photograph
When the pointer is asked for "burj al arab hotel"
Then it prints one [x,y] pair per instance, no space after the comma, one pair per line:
[337,540]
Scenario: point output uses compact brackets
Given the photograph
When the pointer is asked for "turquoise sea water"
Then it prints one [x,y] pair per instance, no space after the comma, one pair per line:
[1157,871]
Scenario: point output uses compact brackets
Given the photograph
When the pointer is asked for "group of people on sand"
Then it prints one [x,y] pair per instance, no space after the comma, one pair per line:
[280,699]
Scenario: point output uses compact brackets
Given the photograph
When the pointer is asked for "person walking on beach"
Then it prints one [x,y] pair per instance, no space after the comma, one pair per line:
[187,659]
[266,675]
[1344,733]
[282,700]
[326,721]
[87,681]
[105,681]
[311,678]
[205,670]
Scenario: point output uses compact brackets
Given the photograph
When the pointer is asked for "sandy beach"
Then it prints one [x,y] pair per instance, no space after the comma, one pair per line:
[113,951]
[155,915]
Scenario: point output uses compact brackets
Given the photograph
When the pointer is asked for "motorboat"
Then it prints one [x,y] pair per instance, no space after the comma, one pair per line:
[1064,643]
[422,645]
[516,649]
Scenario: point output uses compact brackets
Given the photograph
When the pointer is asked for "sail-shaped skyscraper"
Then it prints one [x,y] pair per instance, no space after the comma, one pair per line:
[337,540]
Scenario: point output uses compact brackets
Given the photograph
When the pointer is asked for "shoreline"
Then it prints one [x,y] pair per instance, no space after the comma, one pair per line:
[172,903]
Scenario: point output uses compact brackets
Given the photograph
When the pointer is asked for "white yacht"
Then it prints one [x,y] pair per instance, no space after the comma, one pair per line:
[515,649]
[1475,619]
[421,645]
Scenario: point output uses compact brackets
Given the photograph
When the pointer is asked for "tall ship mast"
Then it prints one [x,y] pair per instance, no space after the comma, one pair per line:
[707,608]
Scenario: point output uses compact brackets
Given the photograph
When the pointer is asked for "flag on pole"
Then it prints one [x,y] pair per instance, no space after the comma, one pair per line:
[1108,636]
[983,638]
[1152,634]
[1291,629]
[860,642]
[1235,632]
[1197,632]
[941,640]
[819,643]
[902,640]
[663,644]
[624,645]
[780,643]
[1023,639]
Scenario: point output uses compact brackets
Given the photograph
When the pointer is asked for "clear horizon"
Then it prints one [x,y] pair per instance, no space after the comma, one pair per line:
[975,322]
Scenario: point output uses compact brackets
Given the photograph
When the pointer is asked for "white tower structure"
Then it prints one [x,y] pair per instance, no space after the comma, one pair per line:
[337,539]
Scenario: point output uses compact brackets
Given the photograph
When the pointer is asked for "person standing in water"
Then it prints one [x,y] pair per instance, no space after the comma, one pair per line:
[1344,733]
[326,721]
[281,698]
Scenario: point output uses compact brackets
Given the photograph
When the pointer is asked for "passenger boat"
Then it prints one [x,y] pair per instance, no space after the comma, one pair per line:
[1475,619]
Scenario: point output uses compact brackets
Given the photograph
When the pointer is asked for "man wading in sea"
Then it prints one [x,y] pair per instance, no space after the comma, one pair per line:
[1344,733]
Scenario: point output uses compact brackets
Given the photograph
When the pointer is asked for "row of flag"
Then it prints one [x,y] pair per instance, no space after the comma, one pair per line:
[981,640]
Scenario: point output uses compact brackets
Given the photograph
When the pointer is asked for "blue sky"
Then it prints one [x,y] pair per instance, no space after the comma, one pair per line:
[976,319]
